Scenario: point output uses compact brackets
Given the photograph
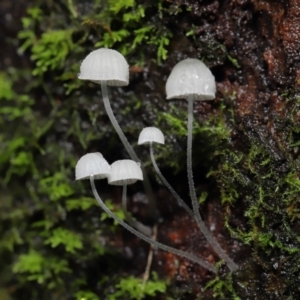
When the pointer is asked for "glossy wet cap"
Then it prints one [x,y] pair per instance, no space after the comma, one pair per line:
[105,65]
[151,135]
[191,77]
[92,164]
[125,171]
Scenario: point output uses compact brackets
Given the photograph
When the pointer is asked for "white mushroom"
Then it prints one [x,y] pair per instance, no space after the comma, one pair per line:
[92,164]
[124,172]
[192,80]
[150,135]
[108,67]
[105,65]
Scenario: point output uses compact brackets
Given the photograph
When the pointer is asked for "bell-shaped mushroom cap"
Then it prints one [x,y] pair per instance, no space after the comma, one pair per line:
[92,164]
[191,77]
[105,65]
[151,134]
[125,171]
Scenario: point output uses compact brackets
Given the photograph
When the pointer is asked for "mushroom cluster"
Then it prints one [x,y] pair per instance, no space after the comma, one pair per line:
[190,79]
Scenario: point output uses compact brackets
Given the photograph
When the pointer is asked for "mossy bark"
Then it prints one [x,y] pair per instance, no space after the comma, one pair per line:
[245,149]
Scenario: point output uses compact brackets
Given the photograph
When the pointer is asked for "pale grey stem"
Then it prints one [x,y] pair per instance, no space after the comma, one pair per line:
[167,184]
[208,235]
[184,254]
[115,123]
[129,149]
[139,226]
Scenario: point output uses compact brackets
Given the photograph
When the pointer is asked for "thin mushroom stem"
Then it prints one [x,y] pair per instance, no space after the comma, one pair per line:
[115,123]
[167,184]
[131,152]
[139,226]
[186,255]
[208,235]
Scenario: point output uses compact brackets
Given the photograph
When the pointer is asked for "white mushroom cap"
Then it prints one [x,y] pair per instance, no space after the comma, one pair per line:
[191,77]
[105,65]
[92,164]
[125,171]
[151,134]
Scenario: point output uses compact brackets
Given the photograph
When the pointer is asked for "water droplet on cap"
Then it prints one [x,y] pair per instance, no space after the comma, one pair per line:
[206,87]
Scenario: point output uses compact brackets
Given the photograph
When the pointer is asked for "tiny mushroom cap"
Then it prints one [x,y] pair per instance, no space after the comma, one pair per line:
[92,164]
[191,78]
[105,65]
[125,171]
[151,134]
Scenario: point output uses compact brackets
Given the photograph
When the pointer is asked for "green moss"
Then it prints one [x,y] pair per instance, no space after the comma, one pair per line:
[40,269]
[133,31]
[269,186]
[133,288]
[222,288]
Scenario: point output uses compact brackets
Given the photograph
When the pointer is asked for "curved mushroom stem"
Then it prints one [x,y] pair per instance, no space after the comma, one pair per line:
[186,255]
[115,123]
[208,235]
[131,152]
[139,226]
[167,184]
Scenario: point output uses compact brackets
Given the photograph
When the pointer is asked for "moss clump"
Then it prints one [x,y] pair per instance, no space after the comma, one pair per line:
[260,175]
